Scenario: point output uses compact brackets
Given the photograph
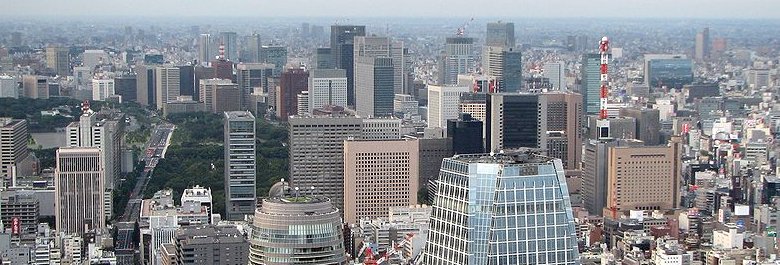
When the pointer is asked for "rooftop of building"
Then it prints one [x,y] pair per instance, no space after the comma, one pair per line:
[514,156]
[209,234]
[8,122]
[238,115]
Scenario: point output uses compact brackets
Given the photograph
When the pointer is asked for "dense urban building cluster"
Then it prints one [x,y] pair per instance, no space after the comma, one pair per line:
[491,142]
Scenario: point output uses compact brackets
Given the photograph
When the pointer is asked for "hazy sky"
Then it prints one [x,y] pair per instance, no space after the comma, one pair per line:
[399,8]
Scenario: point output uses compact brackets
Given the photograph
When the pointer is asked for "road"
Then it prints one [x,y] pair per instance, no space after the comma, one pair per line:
[156,148]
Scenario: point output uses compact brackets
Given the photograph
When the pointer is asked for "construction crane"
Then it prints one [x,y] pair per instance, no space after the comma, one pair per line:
[462,29]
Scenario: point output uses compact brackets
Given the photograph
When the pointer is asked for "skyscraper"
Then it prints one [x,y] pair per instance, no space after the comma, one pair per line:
[670,70]
[648,125]
[323,59]
[126,86]
[443,104]
[35,86]
[167,85]
[240,164]
[379,175]
[206,49]
[466,133]
[500,34]
[549,121]
[591,83]
[292,82]
[288,214]
[505,64]
[703,45]
[146,86]
[13,147]
[79,190]
[253,78]
[374,46]
[342,39]
[276,55]
[187,80]
[219,95]
[102,88]
[253,48]
[374,90]
[556,72]
[510,208]
[327,87]
[316,152]
[230,41]
[58,59]
[456,59]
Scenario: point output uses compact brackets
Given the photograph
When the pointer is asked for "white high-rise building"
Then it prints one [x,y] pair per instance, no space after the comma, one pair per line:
[102,88]
[458,58]
[303,102]
[79,190]
[556,72]
[327,87]
[168,87]
[443,104]
[13,148]
[206,50]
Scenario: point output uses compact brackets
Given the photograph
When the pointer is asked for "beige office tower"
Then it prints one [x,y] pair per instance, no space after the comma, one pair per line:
[642,177]
[57,59]
[379,175]
[562,137]
[167,85]
[316,152]
[374,47]
[35,86]
[79,190]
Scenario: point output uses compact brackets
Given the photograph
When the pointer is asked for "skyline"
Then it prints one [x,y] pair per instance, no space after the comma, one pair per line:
[691,9]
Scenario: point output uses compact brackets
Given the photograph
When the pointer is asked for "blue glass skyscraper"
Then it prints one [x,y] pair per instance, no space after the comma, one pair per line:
[509,208]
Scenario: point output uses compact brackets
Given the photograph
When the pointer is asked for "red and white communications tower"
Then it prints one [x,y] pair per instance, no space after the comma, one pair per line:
[603,123]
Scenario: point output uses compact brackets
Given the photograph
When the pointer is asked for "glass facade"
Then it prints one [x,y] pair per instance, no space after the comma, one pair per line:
[673,73]
[499,210]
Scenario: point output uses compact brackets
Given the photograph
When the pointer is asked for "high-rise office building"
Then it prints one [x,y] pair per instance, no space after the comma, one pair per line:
[146,86]
[166,84]
[13,147]
[457,58]
[102,88]
[703,45]
[104,131]
[79,190]
[627,175]
[590,87]
[35,86]
[374,46]
[327,87]
[505,64]
[374,90]
[323,59]
[8,87]
[253,45]
[521,201]
[379,175]
[126,86]
[443,104]
[549,121]
[342,39]
[253,77]
[316,152]
[240,164]
[288,214]
[303,102]
[670,70]
[648,124]
[187,80]
[466,133]
[276,55]
[556,72]
[208,245]
[291,83]
[93,58]
[58,59]
[207,89]
[500,34]
[206,48]
[230,41]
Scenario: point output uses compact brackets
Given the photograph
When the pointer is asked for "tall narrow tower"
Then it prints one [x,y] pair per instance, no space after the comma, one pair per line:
[603,122]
